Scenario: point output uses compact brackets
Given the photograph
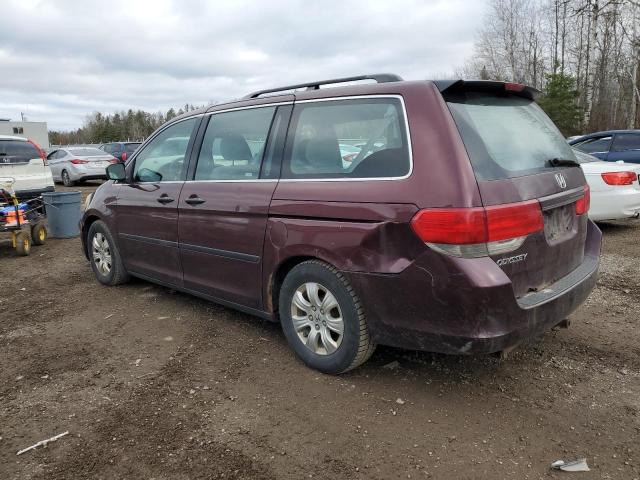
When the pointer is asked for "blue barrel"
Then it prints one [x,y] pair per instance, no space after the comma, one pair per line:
[63,213]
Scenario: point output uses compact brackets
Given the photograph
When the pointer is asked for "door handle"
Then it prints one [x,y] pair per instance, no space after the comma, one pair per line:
[194,200]
[163,199]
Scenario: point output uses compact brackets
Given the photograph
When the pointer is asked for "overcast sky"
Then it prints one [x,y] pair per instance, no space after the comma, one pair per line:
[63,59]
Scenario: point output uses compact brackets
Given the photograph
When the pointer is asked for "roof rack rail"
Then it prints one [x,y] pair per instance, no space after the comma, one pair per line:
[378,77]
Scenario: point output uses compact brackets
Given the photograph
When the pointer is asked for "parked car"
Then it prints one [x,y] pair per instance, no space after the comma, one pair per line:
[460,227]
[611,146]
[25,162]
[615,189]
[77,164]
[120,150]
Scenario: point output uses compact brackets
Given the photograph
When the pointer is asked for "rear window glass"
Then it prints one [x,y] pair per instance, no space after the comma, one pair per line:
[15,151]
[506,136]
[88,152]
[363,138]
[131,147]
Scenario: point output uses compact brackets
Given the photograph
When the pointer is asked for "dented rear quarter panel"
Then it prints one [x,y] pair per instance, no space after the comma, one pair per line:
[364,237]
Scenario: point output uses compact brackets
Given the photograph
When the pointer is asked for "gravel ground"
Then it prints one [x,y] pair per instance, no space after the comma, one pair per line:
[156,384]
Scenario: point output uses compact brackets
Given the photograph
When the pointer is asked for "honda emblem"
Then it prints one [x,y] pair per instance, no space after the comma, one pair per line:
[562,183]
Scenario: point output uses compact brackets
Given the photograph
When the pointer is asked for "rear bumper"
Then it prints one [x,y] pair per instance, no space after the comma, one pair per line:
[467,306]
[83,173]
[90,177]
[615,204]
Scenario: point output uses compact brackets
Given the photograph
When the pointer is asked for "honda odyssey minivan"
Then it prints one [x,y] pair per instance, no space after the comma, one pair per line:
[458,224]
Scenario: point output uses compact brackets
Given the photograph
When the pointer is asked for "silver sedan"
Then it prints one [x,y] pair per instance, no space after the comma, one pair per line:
[77,164]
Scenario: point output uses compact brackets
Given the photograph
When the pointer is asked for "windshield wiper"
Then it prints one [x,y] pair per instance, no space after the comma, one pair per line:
[563,162]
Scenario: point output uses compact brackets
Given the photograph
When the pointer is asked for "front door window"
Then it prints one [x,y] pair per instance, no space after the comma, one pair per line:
[163,159]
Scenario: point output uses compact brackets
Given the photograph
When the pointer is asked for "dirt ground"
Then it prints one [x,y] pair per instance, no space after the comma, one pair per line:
[156,384]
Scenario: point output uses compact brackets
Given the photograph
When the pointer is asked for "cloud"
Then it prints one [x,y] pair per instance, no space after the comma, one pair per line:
[62,60]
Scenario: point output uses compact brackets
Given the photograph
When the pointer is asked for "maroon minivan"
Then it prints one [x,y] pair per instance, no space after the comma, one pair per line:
[448,216]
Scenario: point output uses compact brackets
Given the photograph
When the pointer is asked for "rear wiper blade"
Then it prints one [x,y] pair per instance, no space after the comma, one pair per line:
[563,162]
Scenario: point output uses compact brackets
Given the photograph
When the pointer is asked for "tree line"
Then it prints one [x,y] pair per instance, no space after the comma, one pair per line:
[584,56]
[120,126]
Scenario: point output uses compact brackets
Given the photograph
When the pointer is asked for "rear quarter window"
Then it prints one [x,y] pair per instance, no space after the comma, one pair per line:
[350,139]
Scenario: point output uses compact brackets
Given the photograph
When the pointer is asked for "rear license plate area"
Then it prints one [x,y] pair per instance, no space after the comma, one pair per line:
[559,223]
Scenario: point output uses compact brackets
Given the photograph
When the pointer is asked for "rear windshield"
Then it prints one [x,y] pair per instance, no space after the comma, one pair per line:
[86,152]
[17,151]
[131,147]
[506,136]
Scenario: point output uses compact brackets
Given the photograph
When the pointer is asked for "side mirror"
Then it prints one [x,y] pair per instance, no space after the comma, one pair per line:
[116,172]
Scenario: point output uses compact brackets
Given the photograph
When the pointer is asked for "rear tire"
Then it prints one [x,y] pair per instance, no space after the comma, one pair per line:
[66,179]
[104,255]
[322,318]
[39,233]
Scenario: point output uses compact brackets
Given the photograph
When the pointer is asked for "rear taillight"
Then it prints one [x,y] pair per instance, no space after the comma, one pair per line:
[514,87]
[619,178]
[583,204]
[43,155]
[123,157]
[479,231]
[77,161]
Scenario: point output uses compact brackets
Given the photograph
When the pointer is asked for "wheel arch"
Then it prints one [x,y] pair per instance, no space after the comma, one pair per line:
[280,273]
[86,225]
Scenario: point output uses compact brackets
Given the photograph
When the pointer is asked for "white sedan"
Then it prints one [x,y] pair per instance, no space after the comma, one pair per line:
[77,164]
[615,187]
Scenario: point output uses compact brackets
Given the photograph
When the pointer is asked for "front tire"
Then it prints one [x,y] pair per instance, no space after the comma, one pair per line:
[322,318]
[104,255]
[22,244]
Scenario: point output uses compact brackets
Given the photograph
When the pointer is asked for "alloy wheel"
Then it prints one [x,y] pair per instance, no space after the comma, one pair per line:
[317,318]
[101,253]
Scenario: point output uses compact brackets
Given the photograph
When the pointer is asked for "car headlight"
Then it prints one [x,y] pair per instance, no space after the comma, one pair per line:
[87,201]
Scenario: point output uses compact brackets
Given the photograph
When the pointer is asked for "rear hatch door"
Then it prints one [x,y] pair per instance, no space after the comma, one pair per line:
[20,160]
[512,145]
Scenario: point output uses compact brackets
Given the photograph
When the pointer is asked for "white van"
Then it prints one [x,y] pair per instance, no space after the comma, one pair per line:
[24,161]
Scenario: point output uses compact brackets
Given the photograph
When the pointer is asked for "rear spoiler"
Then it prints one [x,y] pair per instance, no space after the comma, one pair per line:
[489,86]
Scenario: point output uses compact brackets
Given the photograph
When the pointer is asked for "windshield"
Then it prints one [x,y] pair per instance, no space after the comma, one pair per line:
[506,136]
[86,152]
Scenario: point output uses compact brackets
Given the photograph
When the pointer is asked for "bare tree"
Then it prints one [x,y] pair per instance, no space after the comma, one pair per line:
[634,114]
[596,42]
